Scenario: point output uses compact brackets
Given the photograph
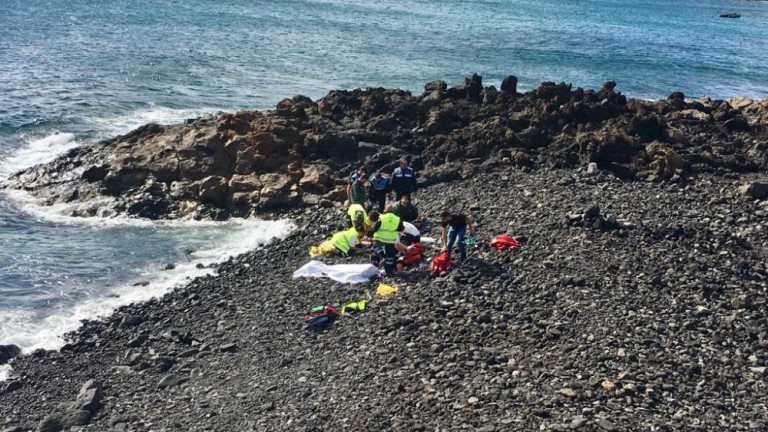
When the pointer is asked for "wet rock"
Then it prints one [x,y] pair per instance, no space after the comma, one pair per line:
[7,352]
[12,386]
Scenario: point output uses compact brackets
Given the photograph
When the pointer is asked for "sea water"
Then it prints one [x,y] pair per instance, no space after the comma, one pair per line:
[77,71]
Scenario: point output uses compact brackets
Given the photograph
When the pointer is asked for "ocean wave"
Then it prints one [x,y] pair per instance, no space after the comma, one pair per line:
[122,124]
[33,328]
[42,147]
[38,150]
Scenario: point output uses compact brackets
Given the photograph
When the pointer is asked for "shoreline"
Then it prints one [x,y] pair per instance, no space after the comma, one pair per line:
[654,320]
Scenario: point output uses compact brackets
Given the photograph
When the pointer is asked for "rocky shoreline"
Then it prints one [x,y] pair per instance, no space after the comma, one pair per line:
[301,152]
[637,301]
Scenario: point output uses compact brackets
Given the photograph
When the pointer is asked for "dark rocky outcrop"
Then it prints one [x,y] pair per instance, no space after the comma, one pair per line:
[301,152]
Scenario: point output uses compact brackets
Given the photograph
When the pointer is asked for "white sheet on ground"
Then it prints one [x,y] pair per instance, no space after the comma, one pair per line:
[343,273]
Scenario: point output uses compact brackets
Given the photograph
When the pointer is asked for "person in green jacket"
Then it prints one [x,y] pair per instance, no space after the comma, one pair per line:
[356,191]
[406,211]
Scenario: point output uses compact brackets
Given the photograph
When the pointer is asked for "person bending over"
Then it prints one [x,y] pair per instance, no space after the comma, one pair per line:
[408,236]
[345,241]
[386,232]
[454,229]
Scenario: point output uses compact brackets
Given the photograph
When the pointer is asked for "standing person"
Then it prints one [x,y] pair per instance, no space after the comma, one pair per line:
[356,190]
[378,191]
[356,174]
[454,228]
[403,180]
[386,232]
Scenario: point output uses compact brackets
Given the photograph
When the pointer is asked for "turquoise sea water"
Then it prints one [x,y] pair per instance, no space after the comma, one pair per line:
[79,70]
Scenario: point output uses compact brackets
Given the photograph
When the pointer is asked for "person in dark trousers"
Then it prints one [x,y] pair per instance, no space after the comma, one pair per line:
[386,232]
[403,180]
[356,190]
[454,229]
[379,187]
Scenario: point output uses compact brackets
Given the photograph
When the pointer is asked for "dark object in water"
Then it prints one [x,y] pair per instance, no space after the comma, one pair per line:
[730,15]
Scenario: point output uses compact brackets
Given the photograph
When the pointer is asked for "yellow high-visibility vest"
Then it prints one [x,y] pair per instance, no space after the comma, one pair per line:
[387,232]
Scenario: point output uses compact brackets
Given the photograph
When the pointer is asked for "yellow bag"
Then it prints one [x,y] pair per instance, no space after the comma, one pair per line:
[324,248]
[385,290]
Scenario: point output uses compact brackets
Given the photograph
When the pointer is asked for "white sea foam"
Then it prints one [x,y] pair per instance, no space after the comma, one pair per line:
[41,149]
[122,124]
[5,371]
[36,151]
[30,329]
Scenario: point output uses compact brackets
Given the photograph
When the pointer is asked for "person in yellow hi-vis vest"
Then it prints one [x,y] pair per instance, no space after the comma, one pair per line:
[345,241]
[359,218]
[386,232]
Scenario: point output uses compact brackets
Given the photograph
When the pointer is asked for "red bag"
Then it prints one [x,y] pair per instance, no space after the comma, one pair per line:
[441,264]
[413,254]
[503,242]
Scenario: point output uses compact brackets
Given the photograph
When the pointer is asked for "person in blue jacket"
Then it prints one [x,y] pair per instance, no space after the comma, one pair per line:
[379,187]
[403,180]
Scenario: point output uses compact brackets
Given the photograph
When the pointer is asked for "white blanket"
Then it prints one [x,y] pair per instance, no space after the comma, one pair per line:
[343,273]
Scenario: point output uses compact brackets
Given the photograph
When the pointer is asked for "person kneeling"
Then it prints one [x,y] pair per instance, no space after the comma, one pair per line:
[346,242]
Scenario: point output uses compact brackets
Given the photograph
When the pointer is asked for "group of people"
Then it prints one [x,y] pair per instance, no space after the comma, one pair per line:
[392,229]
[374,191]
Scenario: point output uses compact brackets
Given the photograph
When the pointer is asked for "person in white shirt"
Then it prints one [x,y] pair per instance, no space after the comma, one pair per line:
[409,235]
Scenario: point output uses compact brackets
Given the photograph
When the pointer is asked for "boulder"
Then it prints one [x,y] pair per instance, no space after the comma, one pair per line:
[756,190]
[335,146]
[316,178]
[679,96]
[89,397]
[51,423]
[440,121]
[439,86]
[244,183]
[741,103]
[124,178]
[95,173]
[213,190]
[7,352]
[276,190]
[664,160]
[509,85]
